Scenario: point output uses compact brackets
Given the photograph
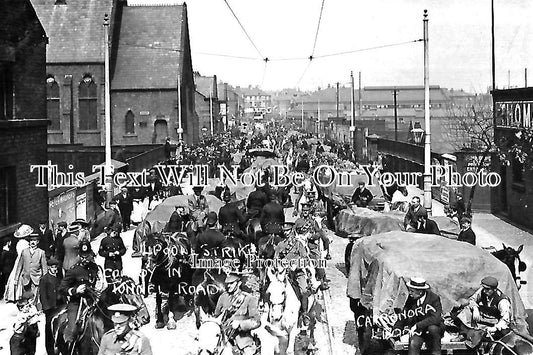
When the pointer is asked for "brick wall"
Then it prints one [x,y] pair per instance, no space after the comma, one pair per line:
[68,78]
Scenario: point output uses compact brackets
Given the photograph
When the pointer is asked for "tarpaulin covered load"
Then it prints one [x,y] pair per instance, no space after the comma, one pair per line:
[363,221]
[239,191]
[381,264]
[159,216]
[366,222]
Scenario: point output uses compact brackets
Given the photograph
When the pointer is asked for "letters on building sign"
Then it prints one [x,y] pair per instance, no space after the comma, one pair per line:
[514,114]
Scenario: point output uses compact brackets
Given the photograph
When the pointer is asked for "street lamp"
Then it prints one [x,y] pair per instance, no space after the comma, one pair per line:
[418,134]
[204,131]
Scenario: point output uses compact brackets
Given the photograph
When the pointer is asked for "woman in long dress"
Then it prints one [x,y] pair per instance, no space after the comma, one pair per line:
[14,289]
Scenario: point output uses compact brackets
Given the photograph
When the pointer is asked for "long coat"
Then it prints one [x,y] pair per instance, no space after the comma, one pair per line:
[49,292]
[32,266]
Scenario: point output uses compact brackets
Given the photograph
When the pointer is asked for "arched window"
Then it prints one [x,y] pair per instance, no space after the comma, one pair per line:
[88,104]
[130,122]
[53,103]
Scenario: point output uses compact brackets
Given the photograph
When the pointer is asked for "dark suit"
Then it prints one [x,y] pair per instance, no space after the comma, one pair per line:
[427,317]
[208,240]
[272,218]
[411,217]
[77,275]
[431,227]
[362,197]
[113,219]
[175,223]
[231,218]
[125,205]
[467,236]
[50,299]
[46,242]
[112,262]
[256,201]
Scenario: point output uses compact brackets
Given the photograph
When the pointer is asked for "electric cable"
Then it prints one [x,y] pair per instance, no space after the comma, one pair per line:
[317,29]
[244,30]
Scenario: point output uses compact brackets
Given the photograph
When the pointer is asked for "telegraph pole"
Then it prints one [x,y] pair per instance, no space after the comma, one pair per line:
[302,112]
[337,101]
[360,98]
[427,145]
[107,108]
[318,120]
[211,107]
[395,116]
[352,122]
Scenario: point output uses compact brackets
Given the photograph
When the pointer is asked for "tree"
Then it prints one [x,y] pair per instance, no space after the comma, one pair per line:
[470,128]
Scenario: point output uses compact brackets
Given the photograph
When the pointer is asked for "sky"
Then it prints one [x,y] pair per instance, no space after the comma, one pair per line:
[459,42]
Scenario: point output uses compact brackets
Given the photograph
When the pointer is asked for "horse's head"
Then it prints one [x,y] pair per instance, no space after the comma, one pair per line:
[511,257]
[210,335]
[130,293]
[276,293]
[154,251]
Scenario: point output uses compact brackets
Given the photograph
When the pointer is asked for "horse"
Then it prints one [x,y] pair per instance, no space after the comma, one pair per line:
[166,265]
[207,293]
[96,320]
[282,311]
[511,343]
[511,258]
[212,338]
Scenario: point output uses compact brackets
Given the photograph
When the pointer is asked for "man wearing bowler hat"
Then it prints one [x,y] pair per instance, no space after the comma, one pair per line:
[240,315]
[51,299]
[122,339]
[46,238]
[76,285]
[488,309]
[422,317]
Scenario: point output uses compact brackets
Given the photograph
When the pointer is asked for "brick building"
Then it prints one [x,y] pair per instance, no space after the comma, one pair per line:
[207,103]
[23,121]
[149,50]
[513,198]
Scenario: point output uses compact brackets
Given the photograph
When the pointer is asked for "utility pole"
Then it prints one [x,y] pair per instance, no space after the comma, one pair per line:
[352,122]
[318,119]
[107,108]
[180,127]
[395,116]
[360,98]
[525,77]
[427,145]
[302,112]
[211,107]
[508,79]
[337,101]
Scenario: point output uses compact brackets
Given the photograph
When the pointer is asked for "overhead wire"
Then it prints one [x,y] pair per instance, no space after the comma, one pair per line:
[244,30]
[317,28]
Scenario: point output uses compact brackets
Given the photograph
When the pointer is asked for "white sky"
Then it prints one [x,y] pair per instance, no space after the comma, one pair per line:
[459,41]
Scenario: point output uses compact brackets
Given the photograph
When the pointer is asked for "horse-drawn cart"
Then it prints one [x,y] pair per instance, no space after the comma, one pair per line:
[381,265]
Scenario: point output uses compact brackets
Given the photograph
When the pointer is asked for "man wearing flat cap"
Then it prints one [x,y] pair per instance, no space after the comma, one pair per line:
[51,299]
[122,339]
[488,309]
[81,277]
[467,234]
[113,216]
[240,315]
[422,316]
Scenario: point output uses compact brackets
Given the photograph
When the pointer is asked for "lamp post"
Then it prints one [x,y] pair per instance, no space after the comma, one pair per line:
[427,145]
[107,109]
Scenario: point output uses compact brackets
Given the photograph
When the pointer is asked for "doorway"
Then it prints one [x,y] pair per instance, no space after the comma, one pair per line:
[160,131]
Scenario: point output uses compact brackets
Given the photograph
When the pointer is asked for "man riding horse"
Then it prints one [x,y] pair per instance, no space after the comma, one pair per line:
[240,315]
[273,217]
[198,207]
[79,280]
[231,218]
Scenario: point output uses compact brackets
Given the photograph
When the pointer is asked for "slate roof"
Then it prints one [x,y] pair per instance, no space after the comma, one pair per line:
[75,30]
[149,48]
[205,85]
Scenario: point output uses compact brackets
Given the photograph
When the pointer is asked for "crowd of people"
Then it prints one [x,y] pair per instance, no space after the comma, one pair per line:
[57,268]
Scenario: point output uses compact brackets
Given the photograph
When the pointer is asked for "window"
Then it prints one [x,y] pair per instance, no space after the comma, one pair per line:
[7,196]
[52,103]
[130,122]
[88,104]
[6,91]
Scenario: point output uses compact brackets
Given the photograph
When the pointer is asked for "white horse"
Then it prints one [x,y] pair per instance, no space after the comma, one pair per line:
[211,337]
[281,317]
